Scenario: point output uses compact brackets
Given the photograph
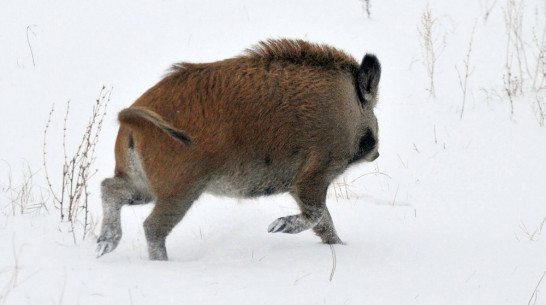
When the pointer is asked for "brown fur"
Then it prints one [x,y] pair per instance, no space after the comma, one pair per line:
[287,116]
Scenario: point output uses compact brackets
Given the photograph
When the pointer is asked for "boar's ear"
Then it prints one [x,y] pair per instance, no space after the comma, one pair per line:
[368,77]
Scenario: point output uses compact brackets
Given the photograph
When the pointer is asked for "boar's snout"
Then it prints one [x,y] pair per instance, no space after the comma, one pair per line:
[373,156]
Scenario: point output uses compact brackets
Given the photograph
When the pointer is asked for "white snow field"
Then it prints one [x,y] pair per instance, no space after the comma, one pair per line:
[453,212]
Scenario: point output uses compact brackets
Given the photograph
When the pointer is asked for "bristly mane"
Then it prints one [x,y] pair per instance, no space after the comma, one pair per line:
[302,52]
[292,51]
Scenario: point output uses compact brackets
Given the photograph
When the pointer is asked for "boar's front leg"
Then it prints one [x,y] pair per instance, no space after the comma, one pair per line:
[325,229]
[310,193]
[311,186]
[314,214]
[311,201]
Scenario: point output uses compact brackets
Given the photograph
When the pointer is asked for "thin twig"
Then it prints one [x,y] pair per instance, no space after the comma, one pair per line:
[371,173]
[12,282]
[488,10]
[541,115]
[467,73]
[301,277]
[44,154]
[395,195]
[540,56]
[334,262]
[367,7]
[28,41]
[534,295]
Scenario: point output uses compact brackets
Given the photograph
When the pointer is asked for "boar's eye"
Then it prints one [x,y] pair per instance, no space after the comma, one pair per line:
[365,145]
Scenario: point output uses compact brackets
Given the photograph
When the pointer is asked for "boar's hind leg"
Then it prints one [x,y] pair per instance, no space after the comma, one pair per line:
[116,192]
[165,215]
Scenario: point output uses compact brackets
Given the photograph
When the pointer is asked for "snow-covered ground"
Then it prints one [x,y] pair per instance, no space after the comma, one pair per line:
[451,213]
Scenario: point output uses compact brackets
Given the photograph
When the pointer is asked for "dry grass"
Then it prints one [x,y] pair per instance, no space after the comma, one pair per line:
[366,6]
[25,197]
[532,235]
[71,197]
[487,7]
[525,64]
[342,189]
[14,280]
[540,108]
[432,45]
[515,51]
[463,80]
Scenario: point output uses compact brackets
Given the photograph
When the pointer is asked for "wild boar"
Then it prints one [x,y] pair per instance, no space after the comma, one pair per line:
[286,116]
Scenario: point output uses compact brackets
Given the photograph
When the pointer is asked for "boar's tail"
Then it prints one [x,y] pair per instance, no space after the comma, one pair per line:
[133,115]
[368,76]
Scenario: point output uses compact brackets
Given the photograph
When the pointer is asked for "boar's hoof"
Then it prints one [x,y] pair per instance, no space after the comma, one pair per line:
[332,240]
[291,224]
[158,253]
[107,243]
[104,247]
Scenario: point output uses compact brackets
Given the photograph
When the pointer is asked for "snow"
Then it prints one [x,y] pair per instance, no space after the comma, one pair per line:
[451,213]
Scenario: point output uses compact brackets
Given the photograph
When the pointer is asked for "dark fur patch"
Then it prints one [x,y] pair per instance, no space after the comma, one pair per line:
[139,199]
[254,193]
[178,135]
[262,192]
[330,158]
[131,142]
[134,115]
[267,160]
[365,146]
[368,76]
[270,190]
